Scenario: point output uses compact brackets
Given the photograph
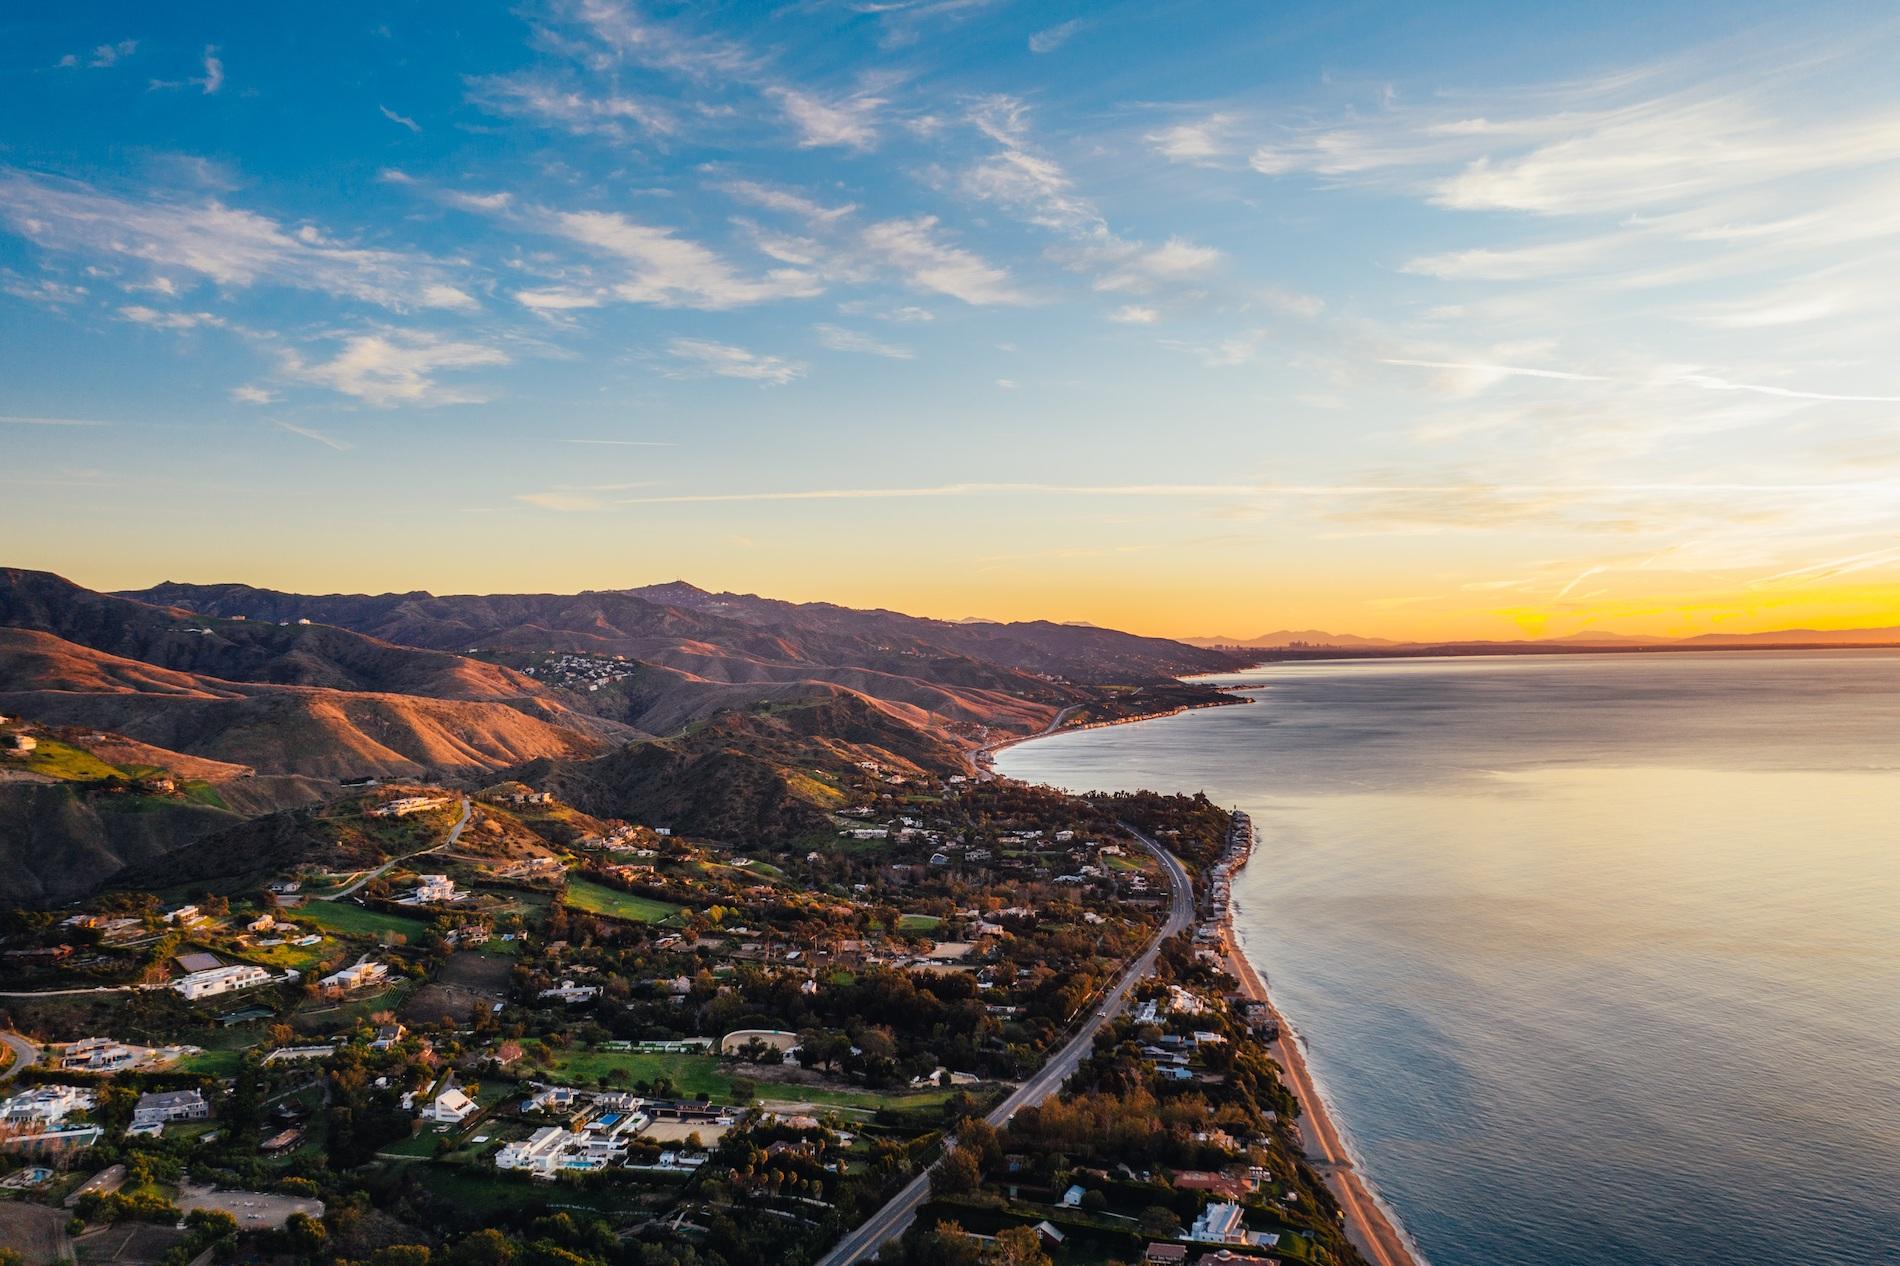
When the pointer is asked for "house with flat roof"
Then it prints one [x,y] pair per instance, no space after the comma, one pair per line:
[221,980]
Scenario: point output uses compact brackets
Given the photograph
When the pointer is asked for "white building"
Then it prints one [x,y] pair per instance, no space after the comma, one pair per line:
[359,975]
[101,1055]
[452,1107]
[538,1154]
[45,1106]
[569,992]
[221,980]
[406,805]
[433,888]
[1219,1223]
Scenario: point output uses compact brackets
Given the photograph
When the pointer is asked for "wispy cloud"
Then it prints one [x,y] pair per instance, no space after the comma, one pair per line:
[400,120]
[670,271]
[104,56]
[309,433]
[775,198]
[15,419]
[723,360]
[839,339]
[913,247]
[180,236]
[1050,38]
[849,122]
[616,115]
[394,367]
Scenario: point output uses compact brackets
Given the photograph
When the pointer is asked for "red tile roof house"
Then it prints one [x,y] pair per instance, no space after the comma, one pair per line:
[1233,1187]
[1165,1253]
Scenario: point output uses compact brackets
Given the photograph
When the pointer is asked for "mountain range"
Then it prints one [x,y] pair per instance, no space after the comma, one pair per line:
[1319,639]
[167,716]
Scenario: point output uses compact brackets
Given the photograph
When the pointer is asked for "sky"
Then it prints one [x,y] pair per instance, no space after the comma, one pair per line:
[1450,320]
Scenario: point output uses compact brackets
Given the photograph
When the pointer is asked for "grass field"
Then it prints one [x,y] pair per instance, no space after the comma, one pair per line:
[214,1063]
[348,919]
[690,1074]
[918,923]
[585,894]
[55,759]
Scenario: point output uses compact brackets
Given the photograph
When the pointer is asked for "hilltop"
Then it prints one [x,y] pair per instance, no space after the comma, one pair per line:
[731,714]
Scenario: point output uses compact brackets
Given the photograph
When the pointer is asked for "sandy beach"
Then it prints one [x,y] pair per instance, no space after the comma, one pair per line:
[1367,1224]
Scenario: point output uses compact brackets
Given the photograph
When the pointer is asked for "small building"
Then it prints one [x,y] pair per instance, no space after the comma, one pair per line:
[1072,1198]
[20,743]
[1160,1254]
[100,1055]
[359,975]
[452,1107]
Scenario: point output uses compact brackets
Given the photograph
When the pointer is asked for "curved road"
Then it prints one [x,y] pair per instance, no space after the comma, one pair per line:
[455,833]
[983,771]
[889,1222]
[25,1054]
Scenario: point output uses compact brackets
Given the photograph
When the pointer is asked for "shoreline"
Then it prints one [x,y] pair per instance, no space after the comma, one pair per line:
[1371,1227]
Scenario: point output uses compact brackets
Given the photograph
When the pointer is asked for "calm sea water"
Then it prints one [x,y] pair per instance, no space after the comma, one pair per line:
[1597,957]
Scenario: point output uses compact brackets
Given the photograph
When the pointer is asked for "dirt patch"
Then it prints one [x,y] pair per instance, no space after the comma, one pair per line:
[467,983]
[126,1244]
[39,1233]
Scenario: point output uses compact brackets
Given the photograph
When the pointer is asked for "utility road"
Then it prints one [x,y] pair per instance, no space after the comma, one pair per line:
[455,833]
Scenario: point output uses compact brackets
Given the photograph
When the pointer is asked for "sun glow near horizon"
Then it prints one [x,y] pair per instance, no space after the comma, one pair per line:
[1277,322]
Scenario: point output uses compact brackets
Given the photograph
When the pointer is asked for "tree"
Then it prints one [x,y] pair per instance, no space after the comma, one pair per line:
[1019,1246]
[1159,1222]
[305,1235]
[956,1175]
[486,1247]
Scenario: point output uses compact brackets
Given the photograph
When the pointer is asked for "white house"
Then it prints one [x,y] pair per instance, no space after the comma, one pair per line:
[360,974]
[221,980]
[431,889]
[1218,1223]
[100,1055]
[538,1154]
[45,1106]
[452,1107]
[569,992]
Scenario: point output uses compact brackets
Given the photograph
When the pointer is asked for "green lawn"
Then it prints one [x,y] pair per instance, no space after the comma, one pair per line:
[214,1063]
[918,923]
[690,1074]
[60,760]
[349,919]
[585,894]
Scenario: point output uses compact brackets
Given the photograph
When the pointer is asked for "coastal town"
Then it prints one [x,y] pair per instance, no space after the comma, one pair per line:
[611,1042]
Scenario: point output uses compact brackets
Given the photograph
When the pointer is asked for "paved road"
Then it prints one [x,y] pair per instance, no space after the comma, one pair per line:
[983,771]
[455,833]
[889,1222]
[25,1054]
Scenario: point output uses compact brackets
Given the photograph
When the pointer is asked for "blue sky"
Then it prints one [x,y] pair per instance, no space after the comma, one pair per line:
[1196,318]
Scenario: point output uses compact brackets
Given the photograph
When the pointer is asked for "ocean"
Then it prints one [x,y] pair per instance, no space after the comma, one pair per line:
[1597,957]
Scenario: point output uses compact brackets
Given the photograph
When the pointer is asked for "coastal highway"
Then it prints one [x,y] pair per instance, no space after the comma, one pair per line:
[987,748]
[889,1222]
